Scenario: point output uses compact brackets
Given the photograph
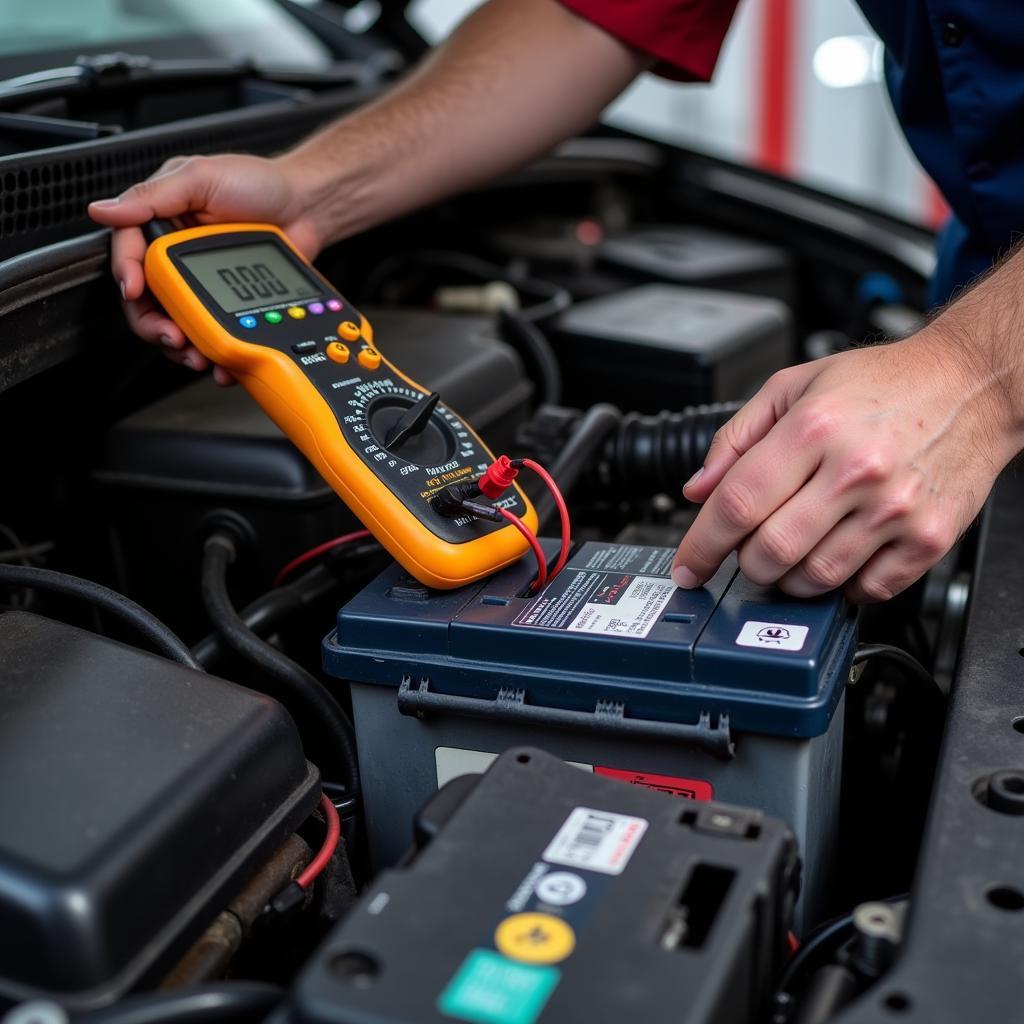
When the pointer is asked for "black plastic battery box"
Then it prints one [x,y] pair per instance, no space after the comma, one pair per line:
[548,895]
[665,346]
[732,692]
[701,258]
[137,798]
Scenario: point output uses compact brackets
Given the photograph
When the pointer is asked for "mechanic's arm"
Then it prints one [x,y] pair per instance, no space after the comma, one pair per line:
[865,467]
[516,78]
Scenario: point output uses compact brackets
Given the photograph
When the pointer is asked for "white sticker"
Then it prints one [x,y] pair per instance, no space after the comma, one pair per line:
[451,762]
[596,840]
[633,613]
[561,888]
[777,636]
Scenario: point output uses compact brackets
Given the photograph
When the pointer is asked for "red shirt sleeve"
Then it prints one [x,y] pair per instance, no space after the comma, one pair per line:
[685,36]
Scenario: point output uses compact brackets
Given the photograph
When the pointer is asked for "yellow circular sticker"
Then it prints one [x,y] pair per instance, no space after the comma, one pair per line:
[535,938]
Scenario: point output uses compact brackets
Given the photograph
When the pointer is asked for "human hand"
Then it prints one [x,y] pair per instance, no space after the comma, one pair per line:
[860,469]
[211,190]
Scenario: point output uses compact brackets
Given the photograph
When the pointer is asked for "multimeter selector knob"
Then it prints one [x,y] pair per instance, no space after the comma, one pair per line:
[411,430]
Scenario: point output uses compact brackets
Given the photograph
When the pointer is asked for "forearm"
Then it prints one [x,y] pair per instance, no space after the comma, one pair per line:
[515,79]
[981,336]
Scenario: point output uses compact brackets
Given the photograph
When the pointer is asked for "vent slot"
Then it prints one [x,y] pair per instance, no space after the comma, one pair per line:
[690,921]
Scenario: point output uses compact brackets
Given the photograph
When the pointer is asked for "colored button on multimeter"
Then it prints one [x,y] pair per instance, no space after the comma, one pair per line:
[348,330]
[337,352]
[368,358]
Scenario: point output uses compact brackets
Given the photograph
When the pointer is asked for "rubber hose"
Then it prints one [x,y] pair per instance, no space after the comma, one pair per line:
[578,455]
[162,639]
[226,1003]
[536,351]
[269,610]
[305,692]
[656,454]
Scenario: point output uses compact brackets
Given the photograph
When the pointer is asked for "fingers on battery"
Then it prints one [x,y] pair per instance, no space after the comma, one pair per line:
[749,426]
[758,484]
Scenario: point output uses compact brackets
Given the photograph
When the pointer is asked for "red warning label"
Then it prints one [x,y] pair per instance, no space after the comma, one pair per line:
[689,789]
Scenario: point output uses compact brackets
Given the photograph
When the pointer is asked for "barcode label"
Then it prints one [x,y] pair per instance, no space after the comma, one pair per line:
[596,840]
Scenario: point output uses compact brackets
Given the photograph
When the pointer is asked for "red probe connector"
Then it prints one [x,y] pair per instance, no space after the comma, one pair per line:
[497,478]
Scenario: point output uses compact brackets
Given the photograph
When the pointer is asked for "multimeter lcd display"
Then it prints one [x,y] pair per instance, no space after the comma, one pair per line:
[244,276]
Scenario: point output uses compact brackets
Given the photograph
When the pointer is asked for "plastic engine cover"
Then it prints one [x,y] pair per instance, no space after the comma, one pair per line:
[136,796]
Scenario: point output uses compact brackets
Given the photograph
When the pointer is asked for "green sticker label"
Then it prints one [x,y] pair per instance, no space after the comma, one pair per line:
[489,989]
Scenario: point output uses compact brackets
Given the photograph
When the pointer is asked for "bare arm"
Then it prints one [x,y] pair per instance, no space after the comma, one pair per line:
[516,78]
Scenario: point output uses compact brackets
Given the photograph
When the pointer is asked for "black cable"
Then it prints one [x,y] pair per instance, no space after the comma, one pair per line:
[305,692]
[27,551]
[576,458]
[269,610]
[816,941]
[901,659]
[535,350]
[160,637]
[229,1001]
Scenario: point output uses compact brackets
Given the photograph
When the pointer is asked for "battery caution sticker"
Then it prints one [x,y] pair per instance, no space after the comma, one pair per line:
[596,840]
[604,603]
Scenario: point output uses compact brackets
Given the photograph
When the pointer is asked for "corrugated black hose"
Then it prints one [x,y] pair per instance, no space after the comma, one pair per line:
[658,454]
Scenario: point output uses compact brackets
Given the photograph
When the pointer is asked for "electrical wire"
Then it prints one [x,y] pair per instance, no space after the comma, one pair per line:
[147,625]
[578,455]
[27,552]
[316,866]
[560,505]
[321,549]
[531,539]
[304,691]
[224,1003]
[901,659]
[813,944]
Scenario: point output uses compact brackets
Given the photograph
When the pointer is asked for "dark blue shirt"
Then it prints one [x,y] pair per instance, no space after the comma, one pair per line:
[955,70]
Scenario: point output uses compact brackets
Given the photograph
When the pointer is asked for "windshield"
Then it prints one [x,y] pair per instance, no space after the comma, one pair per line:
[46,33]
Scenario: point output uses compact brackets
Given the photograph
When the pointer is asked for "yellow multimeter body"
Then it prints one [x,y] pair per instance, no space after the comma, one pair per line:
[249,301]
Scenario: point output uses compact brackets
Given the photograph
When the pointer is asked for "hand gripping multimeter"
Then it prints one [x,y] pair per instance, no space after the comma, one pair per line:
[248,300]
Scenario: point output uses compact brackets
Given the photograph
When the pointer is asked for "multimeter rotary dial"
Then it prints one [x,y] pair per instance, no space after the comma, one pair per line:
[416,431]
[411,426]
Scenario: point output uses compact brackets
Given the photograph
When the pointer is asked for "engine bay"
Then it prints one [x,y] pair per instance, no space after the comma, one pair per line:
[242,749]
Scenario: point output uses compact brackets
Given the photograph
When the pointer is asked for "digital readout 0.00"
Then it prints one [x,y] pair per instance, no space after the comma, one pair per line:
[243,276]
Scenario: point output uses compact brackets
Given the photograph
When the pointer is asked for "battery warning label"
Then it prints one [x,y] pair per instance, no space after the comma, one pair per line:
[608,603]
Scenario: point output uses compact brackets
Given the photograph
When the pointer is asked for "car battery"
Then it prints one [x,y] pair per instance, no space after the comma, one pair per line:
[663,346]
[732,692]
[540,894]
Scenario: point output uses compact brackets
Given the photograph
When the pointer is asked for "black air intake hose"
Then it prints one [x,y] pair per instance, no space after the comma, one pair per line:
[658,454]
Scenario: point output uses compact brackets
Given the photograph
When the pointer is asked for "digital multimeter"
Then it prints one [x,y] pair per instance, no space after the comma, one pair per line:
[249,301]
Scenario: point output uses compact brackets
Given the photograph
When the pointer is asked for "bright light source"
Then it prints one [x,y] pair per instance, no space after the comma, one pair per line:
[845,61]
